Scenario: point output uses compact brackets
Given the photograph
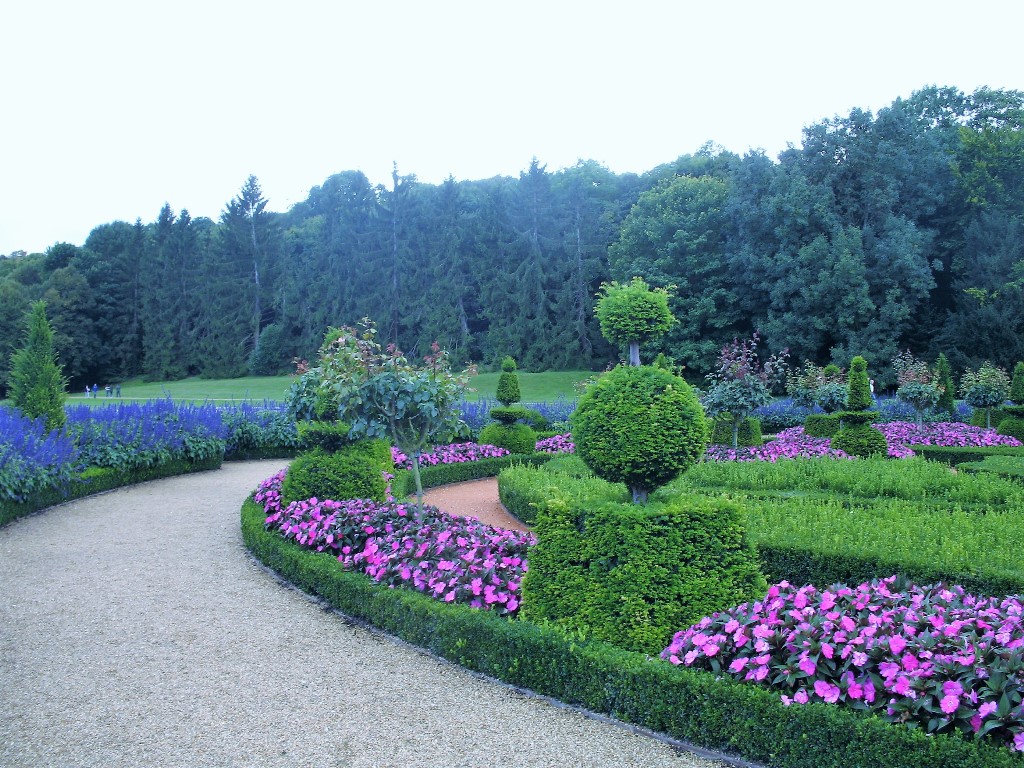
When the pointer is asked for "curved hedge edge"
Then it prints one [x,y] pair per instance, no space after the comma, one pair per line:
[100,481]
[266,452]
[954,455]
[690,707]
[444,474]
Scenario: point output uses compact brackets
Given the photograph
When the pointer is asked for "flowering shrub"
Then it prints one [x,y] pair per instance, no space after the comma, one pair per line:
[934,657]
[128,436]
[455,453]
[946,433]
[556,444]
[782,413]
[32,458]
[453,559]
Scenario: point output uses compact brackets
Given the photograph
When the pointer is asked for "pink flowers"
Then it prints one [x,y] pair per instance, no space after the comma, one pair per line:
[883,646]
[948,434]
[451,558]
[556,444]
[455,453]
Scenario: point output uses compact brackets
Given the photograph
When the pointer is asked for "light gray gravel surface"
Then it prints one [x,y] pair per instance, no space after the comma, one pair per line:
[135,631]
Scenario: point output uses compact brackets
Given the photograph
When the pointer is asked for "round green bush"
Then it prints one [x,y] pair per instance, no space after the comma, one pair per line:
[1012,426]
[860,440]
[509,414]
[641,426]
[821,425]
[354,472]
[329,436]
[749,432]
[515,438]
[508,388]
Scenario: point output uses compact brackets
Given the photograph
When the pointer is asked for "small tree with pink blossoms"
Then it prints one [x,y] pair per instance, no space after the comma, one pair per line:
[741,382]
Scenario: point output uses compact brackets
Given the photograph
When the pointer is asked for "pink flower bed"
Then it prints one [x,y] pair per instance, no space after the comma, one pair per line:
[936,657]
[788,444]
[449,454]
[454,559]
[946,433]
[556,444]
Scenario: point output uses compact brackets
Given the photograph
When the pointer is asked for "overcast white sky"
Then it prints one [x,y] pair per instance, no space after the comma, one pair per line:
[111,108]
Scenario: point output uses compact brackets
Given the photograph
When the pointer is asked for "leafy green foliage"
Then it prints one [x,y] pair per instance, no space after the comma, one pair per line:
[987,387]
[516,438]
[1016,395]
[858,394]
[356,471]
[821,424]
[640,426]
[630,575]
[748,433]
[860,440]
[1004,466]
[1013,426]
[944,377]
[918,386]
[37,386]
[632,313]
[328,436]
[508,388]
[524,489]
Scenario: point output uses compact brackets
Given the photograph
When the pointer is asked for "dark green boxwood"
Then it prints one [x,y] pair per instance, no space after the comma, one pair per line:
[635,574]
[821,425]
[328,436]
[641,426]
[1005,466]
[749,432]
[1012,426]
[954,455]
[508,414]
[978,416]
[523,488]
[356,471]
[860,440]
[688,705]
[515,438]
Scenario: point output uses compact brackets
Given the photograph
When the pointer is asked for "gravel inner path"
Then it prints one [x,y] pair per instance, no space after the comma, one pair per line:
[135,631]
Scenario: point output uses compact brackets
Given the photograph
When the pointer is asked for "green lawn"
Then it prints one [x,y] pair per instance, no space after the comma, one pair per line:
[534,387]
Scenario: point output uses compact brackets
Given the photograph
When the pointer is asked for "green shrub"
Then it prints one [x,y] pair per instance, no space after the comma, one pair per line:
[749,432]
[507,414]
[955,455]
[860,440]
[508,383]
[535,420]
[1004,466]
[328,436]
[353,472]
[944,375]
[858,395]
[979,417]
[523,488]
[821,425]
[1012,426]
[634,575]
[515,438]
[36,383]
[1016,395]
[641,426]
[445,474]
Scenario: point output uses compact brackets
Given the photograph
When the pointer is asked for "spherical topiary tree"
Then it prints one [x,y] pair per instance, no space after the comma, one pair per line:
[508,383]
[987,388]
[632,313]
[857,437]
[641,426]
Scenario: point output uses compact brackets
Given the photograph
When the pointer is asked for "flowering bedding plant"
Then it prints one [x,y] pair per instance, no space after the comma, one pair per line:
[455,453]
[453,559]
[934,657]
[943,433]
[556,444]
[33,458]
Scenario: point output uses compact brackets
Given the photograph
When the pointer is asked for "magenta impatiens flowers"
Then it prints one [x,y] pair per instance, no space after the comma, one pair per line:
[449,454]
[556,444]
[946,434]
[934,656]
[453,559]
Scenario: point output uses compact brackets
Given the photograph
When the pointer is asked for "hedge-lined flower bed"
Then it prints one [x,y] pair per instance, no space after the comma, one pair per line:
[456,453]
[934,657]
[453,559]
[944,434]
[32,458]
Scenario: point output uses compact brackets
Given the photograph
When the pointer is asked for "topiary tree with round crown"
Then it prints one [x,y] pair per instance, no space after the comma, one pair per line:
[632,313]
[641,426]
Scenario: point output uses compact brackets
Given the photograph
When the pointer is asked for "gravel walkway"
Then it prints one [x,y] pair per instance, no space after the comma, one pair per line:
[136,631]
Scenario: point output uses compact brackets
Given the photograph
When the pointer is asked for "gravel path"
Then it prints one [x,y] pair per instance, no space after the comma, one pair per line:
[135,631]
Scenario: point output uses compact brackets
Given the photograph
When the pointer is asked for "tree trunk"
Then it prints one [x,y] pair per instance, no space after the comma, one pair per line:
[735,434]
[419,485]
[634,353]
[639,495]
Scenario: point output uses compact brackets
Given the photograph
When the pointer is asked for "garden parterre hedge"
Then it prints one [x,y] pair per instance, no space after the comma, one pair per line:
[403,485]
[688,705]
[961,454]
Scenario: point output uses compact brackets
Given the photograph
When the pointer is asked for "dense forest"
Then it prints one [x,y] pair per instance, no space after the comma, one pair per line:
[902,229]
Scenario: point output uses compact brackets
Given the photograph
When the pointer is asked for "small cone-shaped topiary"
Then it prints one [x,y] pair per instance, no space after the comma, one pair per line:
[37,384]
[947,401]
[641,426]
[1017,384]
[508,383]
[857,437]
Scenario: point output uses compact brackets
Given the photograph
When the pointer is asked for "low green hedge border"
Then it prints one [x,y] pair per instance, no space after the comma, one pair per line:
[961,454]
[266,452]
[403,486]
[689,705]
[97,480]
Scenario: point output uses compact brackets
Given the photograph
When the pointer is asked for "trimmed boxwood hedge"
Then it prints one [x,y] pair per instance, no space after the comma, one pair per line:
[954,455]
[690,705]
[404,486]
[97,480]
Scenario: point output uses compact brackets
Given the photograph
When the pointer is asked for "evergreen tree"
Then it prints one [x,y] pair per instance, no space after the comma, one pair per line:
[37,385]
[944,374]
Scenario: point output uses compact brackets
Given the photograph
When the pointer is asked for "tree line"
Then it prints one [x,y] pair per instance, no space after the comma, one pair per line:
[879,233]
